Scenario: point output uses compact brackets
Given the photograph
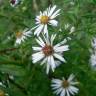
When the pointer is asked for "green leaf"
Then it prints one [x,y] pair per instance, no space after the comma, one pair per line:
[13,70]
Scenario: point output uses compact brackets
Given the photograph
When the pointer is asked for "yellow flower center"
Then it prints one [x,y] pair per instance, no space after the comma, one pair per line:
[48,50]
[2,93]
[65,84]
[44,19]
[19,34]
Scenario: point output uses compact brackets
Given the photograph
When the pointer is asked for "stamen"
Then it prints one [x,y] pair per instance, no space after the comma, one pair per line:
[44,19]
[48,50]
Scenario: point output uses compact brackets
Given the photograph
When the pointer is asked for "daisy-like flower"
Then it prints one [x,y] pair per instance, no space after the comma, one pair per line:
[21,36]
[49,54]
[46,18]
[65,87]
[13,3]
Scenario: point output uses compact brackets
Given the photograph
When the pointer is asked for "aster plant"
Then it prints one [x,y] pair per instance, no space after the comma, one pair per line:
[47,48]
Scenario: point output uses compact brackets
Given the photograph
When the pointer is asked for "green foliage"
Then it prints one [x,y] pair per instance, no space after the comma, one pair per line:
[30,79]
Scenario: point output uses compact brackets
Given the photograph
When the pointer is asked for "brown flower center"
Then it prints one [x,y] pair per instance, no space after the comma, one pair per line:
[65,84]
[48,50]
[12,1]
[44,19]
[19,34]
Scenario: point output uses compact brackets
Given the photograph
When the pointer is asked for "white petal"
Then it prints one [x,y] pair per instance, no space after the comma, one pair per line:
[37,48]
[59,57]
[55,14]
[53,22]
[53,66]
[74,89]
[52,39]
[61,48]
[18,41]
[71,77]
[35,27]
[37,57]
[38,30]
[37,19]
[71,92]
[44,61]
[27,33]
[45,13]
[55,86]
[50,63]
[40,42]
[47,68]
[58,91]
[49,60]
[74,83]
[41,13]
[52,10]
[62,93]
[45,29]
[46,38]
[67,92]
[48,10]
[61,43]
[56,81]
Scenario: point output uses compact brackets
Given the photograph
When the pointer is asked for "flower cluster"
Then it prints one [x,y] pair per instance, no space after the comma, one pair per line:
[49,52]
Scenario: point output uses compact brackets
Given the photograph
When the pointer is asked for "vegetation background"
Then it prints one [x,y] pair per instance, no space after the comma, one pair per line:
[17,73]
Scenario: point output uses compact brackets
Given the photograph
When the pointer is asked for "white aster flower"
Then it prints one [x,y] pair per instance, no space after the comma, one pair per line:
[21,36]
[48,53]
[46,18]
[65,87]
[13,3]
